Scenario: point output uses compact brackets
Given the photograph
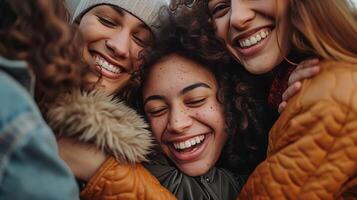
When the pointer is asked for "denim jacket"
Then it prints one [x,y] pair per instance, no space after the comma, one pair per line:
[30,167]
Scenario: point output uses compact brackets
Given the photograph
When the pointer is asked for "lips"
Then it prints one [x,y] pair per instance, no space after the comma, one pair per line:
[252,42]
[254,39]
[192,142]
[190,149]
[106,68]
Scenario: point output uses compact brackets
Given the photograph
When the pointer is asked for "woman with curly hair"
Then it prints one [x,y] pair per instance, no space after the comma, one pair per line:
[36,43]
[186,97]
[311,152]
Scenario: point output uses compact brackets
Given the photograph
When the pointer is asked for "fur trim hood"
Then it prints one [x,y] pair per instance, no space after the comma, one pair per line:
[99,119]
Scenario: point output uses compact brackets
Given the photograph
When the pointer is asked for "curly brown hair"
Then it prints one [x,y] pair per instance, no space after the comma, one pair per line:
[37,31]
[248,117]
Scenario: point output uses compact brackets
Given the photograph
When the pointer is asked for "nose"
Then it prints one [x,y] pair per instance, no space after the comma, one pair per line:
[241,15]
[119,44]
[180,120]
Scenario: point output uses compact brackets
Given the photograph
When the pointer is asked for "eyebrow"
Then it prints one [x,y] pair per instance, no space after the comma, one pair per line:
[153,97]
[194,86]
[119,10]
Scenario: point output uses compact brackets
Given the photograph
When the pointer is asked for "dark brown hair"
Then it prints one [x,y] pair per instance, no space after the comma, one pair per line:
[189,35]
[37,31]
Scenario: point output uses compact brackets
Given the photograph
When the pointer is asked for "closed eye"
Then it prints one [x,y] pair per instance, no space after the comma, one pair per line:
[156,112]
[106,22]
[196,102]
[140,41]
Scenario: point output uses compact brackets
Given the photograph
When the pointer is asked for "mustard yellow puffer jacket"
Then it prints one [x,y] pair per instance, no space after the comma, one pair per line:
[124,181]
[312,151]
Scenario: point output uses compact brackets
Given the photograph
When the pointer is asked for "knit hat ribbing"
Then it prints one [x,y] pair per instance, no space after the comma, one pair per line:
[146,10]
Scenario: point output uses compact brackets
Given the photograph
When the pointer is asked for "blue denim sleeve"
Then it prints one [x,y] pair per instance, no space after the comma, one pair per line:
[30,167]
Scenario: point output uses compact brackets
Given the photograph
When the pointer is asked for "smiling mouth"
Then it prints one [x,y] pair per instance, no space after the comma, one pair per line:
[253,39]
[190,144]
[104,64]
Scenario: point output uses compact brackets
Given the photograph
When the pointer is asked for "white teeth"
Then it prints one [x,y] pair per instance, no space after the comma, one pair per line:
[252,40]
[258,37]
[188,143]
[193,142]
[197,140]
[264,35]
[106,65]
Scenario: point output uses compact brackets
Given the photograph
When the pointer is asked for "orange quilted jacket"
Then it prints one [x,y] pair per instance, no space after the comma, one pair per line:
[124,181]
[312,151]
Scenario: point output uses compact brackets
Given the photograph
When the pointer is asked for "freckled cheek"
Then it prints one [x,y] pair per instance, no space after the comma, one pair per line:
[211,112]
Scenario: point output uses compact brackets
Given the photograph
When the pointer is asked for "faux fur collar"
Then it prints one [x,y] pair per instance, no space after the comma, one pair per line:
[98,119]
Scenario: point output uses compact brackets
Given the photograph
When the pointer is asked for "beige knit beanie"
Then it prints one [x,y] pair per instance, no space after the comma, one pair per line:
[146,10]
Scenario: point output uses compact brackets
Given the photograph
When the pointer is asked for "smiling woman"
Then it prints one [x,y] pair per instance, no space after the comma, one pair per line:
[186,97]
[113,53]
[101,139]
[253,30]
[309,141]
[186,118]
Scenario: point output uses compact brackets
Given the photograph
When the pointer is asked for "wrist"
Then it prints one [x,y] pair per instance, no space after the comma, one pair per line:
[82,158]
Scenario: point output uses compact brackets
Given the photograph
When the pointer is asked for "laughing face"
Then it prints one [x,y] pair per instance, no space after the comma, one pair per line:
[185,116]
[255,32]
[113,40]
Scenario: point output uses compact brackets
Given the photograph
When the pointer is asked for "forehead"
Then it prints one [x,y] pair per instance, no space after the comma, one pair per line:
[176,71]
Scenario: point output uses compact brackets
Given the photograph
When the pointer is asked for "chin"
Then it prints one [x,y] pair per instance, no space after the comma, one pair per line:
[196,169]
[261,66]
[258,69]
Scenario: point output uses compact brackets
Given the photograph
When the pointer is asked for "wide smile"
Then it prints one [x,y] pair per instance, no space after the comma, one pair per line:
[106,68]
[253,43]
[189,149]
[254,39]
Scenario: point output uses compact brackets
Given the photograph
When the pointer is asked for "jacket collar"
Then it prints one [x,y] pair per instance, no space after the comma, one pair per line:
[19,71]
[94,117]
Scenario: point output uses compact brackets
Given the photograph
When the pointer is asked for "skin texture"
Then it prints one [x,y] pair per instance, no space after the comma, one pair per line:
[238,20]
[92,157]
[180,104]
[116,37]
[119,37]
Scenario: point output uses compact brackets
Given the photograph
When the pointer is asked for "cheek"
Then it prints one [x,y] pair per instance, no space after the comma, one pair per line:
[85,28]
[157,127]
[213,115]
[222,28]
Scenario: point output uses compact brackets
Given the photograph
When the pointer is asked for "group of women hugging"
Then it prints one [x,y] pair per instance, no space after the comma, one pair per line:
[188,99]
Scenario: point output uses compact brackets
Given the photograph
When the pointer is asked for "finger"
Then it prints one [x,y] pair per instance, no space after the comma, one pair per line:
[282,106]
[291,91]
[301,74]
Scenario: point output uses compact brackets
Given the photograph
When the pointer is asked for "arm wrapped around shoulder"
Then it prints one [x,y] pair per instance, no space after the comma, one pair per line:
[116,180]
[312,151]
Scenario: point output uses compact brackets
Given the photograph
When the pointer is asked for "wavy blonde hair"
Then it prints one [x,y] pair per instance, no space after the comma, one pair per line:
[325,28]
